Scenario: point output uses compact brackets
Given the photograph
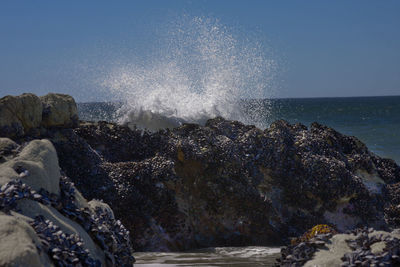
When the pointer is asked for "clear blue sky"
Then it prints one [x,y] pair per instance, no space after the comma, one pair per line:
[322,48]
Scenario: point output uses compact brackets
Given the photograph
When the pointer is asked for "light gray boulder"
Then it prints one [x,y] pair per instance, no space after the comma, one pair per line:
[36,165]
[59,110]
[18,246]
[19,114]
[24,114]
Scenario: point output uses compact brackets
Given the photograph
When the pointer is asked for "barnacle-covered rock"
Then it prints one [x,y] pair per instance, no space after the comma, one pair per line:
[45,221]
[224,183]
[36,164]
[392,208]
[227,183]
[359,247]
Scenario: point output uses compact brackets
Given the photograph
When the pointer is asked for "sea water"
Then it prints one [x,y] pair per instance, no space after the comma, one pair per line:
[219,256]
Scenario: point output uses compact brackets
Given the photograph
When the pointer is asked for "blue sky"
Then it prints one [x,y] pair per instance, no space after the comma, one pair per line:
[321,48]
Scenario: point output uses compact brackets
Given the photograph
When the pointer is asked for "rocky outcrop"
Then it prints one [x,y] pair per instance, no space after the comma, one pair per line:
[44,220]
[39,160]
[227,183]
[359,247]
[59,110]
[19,114]
[222,184]
[27,113]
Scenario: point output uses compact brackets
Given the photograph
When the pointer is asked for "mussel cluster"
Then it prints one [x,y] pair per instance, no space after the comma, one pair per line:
[300,253]
[362,254]
[64,249]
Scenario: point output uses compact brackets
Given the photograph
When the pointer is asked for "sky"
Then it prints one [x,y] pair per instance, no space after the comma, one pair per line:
[319,48]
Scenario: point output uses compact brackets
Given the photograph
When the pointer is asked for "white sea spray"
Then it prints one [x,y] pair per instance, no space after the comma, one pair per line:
[198,71]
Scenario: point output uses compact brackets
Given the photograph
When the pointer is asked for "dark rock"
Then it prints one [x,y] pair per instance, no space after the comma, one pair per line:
[227,183]
[362,253]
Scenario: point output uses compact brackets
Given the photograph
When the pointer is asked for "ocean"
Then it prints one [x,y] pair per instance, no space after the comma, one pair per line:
[223,256]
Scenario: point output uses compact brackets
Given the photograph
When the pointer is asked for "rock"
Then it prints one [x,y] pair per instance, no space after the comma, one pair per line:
[332,253]
[59,110]
[7,145]
[226,183]
[54,224]
[360,246]
[24,114]
[39,158]
[378,247]
[222,184]
[19,244]
[96,204]
[7,148]
[19,114]
[32,209]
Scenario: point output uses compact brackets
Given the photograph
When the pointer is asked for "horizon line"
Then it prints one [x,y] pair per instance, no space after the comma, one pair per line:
[360,96]
[271,98]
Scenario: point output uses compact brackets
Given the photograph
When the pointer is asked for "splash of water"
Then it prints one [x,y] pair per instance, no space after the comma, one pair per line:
[199,71]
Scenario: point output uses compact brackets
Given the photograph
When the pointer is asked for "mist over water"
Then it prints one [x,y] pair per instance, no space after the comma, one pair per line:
[198,70]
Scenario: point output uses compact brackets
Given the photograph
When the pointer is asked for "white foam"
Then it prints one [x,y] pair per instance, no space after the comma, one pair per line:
[215,256]
[200,71]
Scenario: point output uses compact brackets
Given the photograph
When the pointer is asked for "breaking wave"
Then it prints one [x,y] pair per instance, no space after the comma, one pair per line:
[198,70]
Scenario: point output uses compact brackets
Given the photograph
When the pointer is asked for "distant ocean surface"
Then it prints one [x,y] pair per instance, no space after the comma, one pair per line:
[374,120]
